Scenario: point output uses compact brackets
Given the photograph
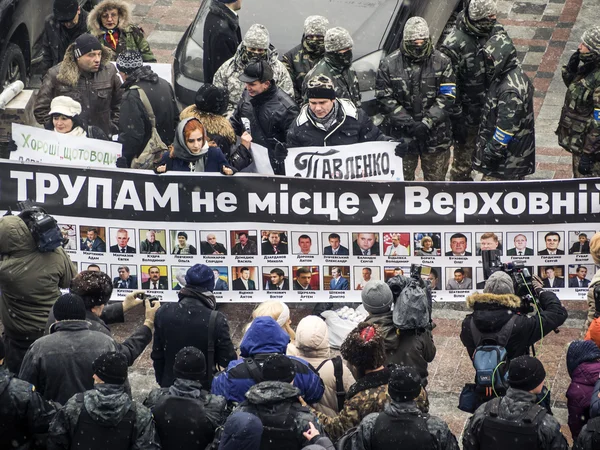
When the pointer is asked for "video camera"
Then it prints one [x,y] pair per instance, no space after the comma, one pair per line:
[42,226]
[418,271]
[522,279]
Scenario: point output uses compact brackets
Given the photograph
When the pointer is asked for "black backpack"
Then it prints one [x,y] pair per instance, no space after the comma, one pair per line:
[279,427]
[338,372]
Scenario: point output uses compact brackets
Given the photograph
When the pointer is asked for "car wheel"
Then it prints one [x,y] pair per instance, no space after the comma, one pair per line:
[12,66]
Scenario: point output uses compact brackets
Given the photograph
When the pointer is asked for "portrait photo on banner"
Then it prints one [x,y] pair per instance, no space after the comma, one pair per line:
[276,242]
[520,243]
[124,276]
[396,244]
[305,243]
[579,242]
[245,278]
[275,278]
[427,244]
[221,278]
[244,242]
[580,275]
[153,241]
[122,240]
[92,238]
[335,243]
[178,277]
[364,274]
[337,278]
[183,242]
[551,242]
[458,244]
[155,277]
[459,278]
[306,278]
[394,271]
[94,267]
[489,240]
[365,244]
[552,276]
[69,235]
[213,242]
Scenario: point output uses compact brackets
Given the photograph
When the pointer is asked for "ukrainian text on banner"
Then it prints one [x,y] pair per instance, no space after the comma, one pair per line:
[373,161]
[271,237]
[43,146]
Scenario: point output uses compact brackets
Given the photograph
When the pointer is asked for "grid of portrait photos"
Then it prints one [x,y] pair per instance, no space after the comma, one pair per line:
[295,264]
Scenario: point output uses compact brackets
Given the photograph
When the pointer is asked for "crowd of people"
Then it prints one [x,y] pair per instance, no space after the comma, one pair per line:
[476,103]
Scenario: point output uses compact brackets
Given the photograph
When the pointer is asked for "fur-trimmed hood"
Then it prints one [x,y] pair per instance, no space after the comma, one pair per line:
[69,72]
[94,22]
[510,301]
[214,124]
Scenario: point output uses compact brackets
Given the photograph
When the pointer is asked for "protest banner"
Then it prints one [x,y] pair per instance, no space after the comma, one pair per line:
[373,161]
[43,146]
[252,229]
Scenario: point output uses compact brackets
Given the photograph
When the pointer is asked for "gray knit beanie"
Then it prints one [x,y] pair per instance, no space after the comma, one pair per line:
[377,297]
[499,283]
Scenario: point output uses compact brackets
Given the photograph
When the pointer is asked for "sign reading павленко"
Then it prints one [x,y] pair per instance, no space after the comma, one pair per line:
[43,146]
[309,240]
[373,161]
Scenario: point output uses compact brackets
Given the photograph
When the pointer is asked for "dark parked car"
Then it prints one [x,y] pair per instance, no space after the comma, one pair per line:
[376,27]
[21,28]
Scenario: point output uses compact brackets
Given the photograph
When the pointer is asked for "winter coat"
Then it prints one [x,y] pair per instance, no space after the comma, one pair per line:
[492,311]
[579,394]
[57,38]
[437,428]
[107,404]
[579,125]
[593,332]
[272,398]
[263,338]
[345,81]
[218,128]
[320,442]
[185,323]
[512,407]
[507,125]
[227,76]
[408,348]
[368,395]
[60,365]
[222,36]
[98,93]
[464,47]
[312,345]
[135,128]
[131,37]
[299,61]
[270,114]
[353,126]
[23,412]
[242,431]
[410,91]
[215,160]
[30,281]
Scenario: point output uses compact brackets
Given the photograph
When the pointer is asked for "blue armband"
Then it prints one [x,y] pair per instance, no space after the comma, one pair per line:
[502,136]
[448,89]
[597,114]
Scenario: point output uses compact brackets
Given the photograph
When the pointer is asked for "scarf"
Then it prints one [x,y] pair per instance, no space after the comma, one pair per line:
[327,122]
[143,73]
[77,131]
[206,297]
[111,37]
[181,151]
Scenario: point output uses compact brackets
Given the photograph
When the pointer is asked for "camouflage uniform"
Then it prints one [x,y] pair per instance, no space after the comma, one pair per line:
[579,126]
[299,60]
[337,66]
[506,142]
[413,88]
[227,77]
[464,47]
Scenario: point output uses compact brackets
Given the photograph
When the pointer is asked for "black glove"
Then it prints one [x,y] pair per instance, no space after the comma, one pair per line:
[402,148]
[280,152]
[122,162]
[240,158]
[491,157]
[585,164]
[12,146]
[420,132]
[573,63]
[597,300]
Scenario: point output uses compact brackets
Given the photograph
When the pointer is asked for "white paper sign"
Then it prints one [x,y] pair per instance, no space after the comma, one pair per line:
[261,162]
[39,145]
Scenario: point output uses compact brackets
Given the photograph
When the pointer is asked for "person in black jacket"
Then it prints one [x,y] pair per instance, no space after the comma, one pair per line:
[61,28]
[186,415]
[498,304]
[135,128]
[187,323]
[264,112]
[222,35]
[327,120]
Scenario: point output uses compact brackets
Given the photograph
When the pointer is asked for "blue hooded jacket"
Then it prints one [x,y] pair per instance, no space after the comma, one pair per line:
[263,338]
[242,431]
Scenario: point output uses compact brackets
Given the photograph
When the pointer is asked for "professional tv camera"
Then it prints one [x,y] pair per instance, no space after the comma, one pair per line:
[519,274]
[43,227]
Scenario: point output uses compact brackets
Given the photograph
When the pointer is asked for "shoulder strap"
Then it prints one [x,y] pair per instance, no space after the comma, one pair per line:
[254,370]
[534,415]
[338,373]
[212,322]
[146,103]
[492,408]
[322,364]
[500,338]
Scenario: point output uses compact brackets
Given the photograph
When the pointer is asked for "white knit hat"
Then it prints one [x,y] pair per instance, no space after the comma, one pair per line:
[66,106]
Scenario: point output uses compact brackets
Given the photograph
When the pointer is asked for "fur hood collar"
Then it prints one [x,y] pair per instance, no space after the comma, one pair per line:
[94,22]
[69,72]
[214,124]
[510,301]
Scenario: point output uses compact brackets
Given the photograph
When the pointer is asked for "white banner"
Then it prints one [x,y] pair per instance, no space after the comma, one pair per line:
[39,145]
[373,161]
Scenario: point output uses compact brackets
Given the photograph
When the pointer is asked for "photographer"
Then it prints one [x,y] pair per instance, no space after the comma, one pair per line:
[30,281]
[496,306]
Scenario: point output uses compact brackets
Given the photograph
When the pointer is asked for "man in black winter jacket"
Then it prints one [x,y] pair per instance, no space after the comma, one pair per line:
[498,304]
[189,322]
[327,120]
[222,35]
[61,28]
[185,414]
[135,127]
[265,112]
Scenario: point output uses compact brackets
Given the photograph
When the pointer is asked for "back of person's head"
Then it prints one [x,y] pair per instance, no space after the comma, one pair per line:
[499,283]
[525,373]
[69,307]
[212,99]
[129,61]
[242,431]
[278,311]
[364,348]
[580,352]
[95,288]
[278,368]
[312,337]
[405,384]
[595,247]
[111,367]
[190,364]
[201,277]
[377,297]
[264,336]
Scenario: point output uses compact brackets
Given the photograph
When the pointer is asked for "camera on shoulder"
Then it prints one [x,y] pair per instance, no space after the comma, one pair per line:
[42,226]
